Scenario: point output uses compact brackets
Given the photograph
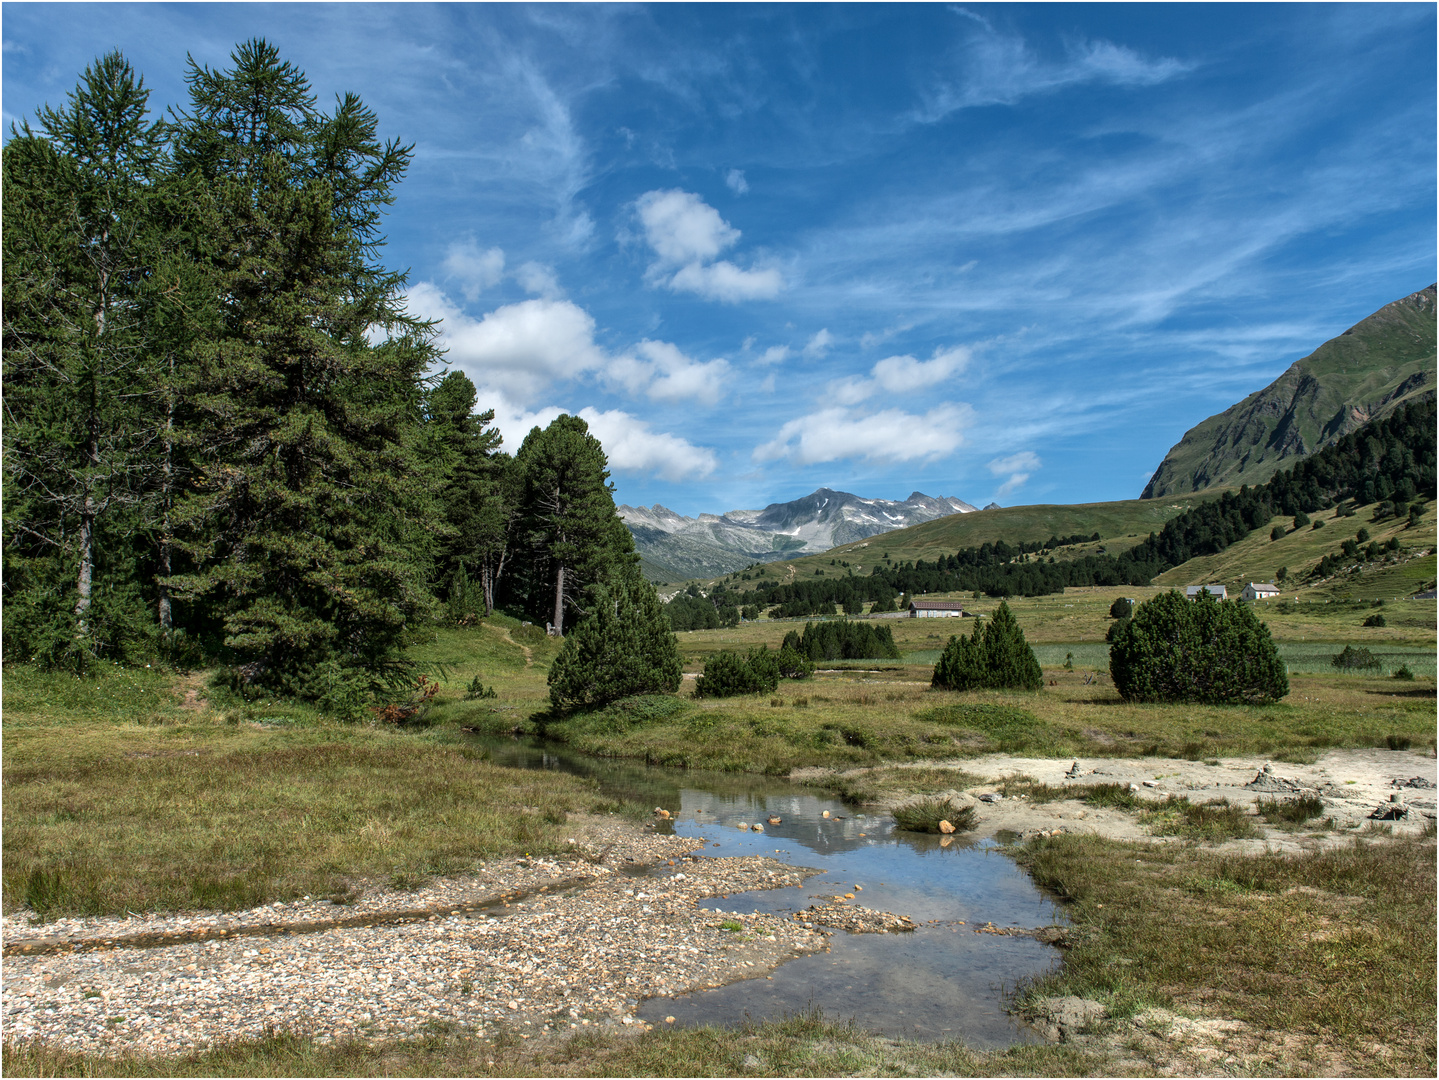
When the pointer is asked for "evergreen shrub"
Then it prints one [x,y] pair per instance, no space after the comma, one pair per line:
[622,648]
[1203,650]
[994,657]
[729,673]
[1355,659]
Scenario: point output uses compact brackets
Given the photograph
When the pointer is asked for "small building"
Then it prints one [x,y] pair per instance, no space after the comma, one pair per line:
[935,609]
[1219,592]
[1258,591]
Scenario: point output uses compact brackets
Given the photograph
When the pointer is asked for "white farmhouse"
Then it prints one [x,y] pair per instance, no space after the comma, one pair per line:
[1258,591]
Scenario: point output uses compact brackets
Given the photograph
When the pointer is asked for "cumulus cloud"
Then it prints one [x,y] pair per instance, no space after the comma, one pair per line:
[687,236]
[891,435]
[775,354]
[663,372]
[736,182]
[901,375]
[518,348]
[474,269]
[1017,467]
[631,446]
[819,344]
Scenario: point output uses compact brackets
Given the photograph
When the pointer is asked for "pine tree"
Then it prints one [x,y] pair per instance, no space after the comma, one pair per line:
[567,510]
[995,657]
[1204,650]
[623,647]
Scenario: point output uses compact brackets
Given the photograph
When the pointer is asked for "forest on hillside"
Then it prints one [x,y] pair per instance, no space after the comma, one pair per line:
[226,440]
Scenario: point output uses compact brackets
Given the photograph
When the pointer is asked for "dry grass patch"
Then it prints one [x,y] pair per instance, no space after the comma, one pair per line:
[1335,947]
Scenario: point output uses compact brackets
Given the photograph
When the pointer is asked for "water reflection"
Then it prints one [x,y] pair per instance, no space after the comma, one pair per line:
[942,981]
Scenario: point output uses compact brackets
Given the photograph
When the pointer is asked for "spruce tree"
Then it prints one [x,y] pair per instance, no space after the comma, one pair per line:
[994,657]
[623,647]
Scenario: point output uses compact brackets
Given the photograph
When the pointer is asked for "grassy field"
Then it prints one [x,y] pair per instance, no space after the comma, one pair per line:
[128,792]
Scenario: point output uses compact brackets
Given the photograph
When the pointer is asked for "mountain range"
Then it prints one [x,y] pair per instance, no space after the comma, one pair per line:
[676,548]
[1361,375]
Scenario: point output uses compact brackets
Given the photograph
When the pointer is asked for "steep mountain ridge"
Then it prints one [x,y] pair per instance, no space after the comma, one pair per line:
[1363,374]
[673,547]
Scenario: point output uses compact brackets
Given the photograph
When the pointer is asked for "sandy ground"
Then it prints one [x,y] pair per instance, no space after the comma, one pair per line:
[1352,783]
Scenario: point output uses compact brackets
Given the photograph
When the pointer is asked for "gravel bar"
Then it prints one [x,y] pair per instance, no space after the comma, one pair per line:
[532,946]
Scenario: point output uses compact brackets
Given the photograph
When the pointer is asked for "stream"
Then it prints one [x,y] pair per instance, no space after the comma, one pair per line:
[942,981]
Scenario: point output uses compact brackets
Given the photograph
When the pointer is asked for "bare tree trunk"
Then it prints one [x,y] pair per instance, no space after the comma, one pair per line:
[83,580]
[559,623]
[167,471]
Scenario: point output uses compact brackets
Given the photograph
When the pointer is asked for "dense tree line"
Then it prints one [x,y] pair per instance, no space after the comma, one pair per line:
[222,436]
[843,640]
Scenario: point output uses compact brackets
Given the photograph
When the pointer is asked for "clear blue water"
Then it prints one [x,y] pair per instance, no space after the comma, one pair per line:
[942,981]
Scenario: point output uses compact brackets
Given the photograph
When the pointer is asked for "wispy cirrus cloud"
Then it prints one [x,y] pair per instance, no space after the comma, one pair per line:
[1017,468]
[996,68]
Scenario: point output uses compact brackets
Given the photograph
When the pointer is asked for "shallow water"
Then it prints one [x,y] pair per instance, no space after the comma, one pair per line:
[942,981]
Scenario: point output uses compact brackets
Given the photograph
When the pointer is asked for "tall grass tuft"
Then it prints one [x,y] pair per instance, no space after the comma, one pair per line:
[925,815]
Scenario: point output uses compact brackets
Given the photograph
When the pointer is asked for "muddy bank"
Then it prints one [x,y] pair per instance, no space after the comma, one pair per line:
[1353,785]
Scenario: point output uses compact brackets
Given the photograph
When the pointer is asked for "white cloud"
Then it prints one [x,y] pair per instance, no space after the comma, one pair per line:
[736,182]
[726,281]
[682,227]
[540,280]
[891,435]
[1001,69]
[631,446]
[664,373]
[687,236]
[819,344]
[519,348]
[901,375]
[1017,467]
[474,269]
[775,354]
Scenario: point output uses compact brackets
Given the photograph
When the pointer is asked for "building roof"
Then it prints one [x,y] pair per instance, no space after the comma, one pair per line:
[1195,590]
[936,605]
[1260,586]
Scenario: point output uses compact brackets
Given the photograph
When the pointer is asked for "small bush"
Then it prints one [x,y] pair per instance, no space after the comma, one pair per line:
[1294,811]
[1318,524]
[1374,620]
[794,665]
[1404,674]
[477,690]
[1398,742]
[1355,659]
[925,815]
[1122,608]
[728,673]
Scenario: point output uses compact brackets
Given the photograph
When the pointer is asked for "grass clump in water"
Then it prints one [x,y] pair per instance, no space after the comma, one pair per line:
[925,815]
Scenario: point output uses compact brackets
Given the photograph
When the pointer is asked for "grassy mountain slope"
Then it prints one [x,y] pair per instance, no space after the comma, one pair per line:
[1362,374]
[1256,557]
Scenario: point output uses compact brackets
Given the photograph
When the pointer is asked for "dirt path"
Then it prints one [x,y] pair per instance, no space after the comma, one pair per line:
[504,632]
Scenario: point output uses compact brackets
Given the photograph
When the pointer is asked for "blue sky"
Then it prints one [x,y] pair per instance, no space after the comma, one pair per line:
[1001,252]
